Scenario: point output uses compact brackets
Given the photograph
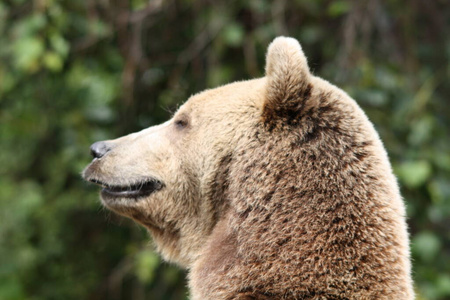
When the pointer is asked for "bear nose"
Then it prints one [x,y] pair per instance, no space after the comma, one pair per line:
[98,149]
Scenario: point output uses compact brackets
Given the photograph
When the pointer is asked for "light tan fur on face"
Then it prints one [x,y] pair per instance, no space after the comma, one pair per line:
[274,188]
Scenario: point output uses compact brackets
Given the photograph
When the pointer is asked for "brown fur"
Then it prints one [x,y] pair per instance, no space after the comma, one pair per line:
[276,188]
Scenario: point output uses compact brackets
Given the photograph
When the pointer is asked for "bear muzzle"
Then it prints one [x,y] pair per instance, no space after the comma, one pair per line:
[119,186]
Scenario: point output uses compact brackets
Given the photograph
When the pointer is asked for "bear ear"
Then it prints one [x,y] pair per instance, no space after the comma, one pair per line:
[288,82]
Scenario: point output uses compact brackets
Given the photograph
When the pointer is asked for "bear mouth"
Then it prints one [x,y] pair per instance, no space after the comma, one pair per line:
[140,189]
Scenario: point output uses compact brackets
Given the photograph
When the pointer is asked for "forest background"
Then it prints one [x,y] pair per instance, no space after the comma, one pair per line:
[75,72]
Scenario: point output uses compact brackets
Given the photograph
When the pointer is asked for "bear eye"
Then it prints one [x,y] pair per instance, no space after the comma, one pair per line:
[181,123]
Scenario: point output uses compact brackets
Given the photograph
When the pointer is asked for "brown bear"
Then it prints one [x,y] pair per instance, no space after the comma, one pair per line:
[272,188]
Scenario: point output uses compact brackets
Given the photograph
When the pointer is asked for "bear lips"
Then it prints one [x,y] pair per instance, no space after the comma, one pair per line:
[142,189]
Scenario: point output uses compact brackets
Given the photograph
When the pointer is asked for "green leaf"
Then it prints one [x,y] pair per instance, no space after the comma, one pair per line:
[233,35]
[53,61]
[3,16]
[338,8]
[146,264]
[138,4]
[414,173]
[439,189]
[421,130]
[59,44]
[11,288]
[7,81]
[310,34]
[98,28]
[30,25]
[219,75]
[443,285]
[27,52]
[426,245]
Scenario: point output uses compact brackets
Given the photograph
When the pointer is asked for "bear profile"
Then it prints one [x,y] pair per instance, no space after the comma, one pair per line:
[272,188]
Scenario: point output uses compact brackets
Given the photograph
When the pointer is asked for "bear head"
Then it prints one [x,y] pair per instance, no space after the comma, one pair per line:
[286,168]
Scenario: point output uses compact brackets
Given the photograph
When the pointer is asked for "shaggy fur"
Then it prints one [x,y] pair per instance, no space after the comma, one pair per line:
[274,188]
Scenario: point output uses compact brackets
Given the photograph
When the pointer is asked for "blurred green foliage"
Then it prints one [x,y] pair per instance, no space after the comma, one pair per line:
[74,72]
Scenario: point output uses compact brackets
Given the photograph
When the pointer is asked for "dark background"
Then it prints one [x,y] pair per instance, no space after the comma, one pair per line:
[74,72]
